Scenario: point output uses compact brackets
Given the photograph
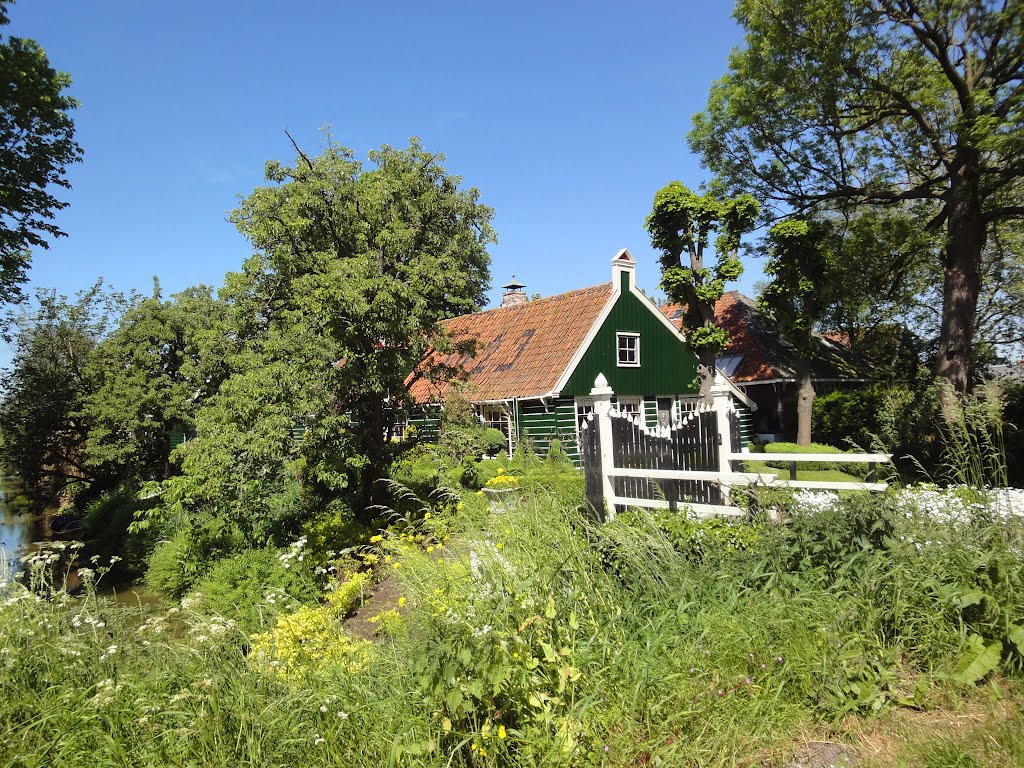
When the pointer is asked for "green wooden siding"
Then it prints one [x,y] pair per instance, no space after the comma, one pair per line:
[540,423]
[746,419]
[667,366]
[650,406]
[426,421]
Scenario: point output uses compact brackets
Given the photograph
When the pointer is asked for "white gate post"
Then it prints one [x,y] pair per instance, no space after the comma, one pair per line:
[721,394]
[602,395]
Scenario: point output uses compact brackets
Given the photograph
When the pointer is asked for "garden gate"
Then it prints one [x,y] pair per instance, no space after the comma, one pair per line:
[686,463]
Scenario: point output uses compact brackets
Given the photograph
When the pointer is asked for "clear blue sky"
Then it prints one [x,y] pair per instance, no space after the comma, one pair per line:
[568,116]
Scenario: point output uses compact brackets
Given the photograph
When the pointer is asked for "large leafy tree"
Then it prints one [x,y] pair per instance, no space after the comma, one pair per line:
[799,294]
[355,268]
[840,104]
[150,376]
[36,144]
[681,225]
[51,377]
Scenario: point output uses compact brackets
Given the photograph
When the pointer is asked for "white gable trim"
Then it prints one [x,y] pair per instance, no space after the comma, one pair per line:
[587,341]
[623,254]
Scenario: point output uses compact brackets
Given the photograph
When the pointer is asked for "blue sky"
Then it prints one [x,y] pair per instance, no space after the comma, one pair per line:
[568,116]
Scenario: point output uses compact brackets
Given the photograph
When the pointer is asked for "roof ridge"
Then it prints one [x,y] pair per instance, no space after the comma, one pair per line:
[535,302]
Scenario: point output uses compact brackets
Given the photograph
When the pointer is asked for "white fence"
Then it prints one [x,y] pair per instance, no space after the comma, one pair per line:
[689,463]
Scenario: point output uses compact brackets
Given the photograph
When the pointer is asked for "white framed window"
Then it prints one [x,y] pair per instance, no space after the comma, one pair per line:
[627,348]
[629,404]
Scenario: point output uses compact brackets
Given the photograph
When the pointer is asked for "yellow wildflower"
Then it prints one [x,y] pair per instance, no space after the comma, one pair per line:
[502,733]
[402,601]
[375,539]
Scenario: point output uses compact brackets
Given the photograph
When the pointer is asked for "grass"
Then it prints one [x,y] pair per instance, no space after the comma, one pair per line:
[535,637]
[831,475]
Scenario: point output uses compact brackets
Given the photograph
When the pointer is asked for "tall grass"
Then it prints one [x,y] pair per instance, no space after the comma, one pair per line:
[972,436]
[528,635]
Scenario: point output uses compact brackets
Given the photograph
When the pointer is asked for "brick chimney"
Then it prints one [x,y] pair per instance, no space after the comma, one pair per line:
[514,294]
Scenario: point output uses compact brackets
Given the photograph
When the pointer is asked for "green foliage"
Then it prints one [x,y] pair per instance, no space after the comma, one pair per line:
[180,561]
[36,144]
[161,363]
[681,223]
[973,438]
[700,541]
[727,641]
[41,414]
[845,105]
[798,293]
[355,270]
[492,441]
[890,418]
[855,469]
[1013,418]
[332,531]
[106,523]
[418,470]
[251,586]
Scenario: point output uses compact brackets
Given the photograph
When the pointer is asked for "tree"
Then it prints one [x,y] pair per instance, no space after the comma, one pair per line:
[682,222]
[845,104]
[151,374]
[36,144]
[800,260]
[44,428]
[332,320]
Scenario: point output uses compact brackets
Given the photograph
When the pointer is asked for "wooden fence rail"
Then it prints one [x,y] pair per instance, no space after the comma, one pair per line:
[627,464]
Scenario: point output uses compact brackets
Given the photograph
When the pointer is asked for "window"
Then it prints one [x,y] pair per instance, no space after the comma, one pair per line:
[397,433]
[496,417]
[628,348]
[629,405]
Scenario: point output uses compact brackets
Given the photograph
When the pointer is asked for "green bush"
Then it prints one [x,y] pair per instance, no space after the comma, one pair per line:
[889,417]
[856,469]
[1013,419]
[105,522]
[418,470]
[251,586]
[492,441]
[331,531]
[178,562]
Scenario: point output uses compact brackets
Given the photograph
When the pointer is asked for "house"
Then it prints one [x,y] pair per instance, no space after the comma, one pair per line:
[762,363]
[536,362]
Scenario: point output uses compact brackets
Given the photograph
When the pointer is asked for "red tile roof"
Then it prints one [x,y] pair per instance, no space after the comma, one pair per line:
[766,355]
[522,350]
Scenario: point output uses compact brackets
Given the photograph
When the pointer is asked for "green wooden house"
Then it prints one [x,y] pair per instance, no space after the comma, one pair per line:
[536,361]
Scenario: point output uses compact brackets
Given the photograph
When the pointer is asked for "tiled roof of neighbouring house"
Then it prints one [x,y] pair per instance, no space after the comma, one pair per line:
[758,352]
[522,350]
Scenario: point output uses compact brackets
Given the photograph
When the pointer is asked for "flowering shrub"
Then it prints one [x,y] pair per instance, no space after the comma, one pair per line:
[502,480]
[310,640]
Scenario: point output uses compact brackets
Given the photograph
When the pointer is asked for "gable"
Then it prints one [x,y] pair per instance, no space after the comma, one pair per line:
[667,366]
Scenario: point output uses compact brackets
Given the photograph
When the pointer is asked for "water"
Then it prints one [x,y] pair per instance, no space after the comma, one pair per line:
[16,533]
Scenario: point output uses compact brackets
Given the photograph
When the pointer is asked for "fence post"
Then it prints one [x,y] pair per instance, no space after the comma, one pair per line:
[721,395]
[602,394]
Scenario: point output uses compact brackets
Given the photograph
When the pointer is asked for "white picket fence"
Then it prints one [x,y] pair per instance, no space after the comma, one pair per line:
[689,463]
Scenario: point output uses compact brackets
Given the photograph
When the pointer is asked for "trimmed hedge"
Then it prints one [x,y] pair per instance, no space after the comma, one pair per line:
[857,470]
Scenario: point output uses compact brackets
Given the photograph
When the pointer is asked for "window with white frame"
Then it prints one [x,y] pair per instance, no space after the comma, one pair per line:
[496,416]
[629,404]
[627,346]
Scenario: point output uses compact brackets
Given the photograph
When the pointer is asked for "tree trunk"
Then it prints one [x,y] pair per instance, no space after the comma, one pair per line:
[962,274]
[804,403]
